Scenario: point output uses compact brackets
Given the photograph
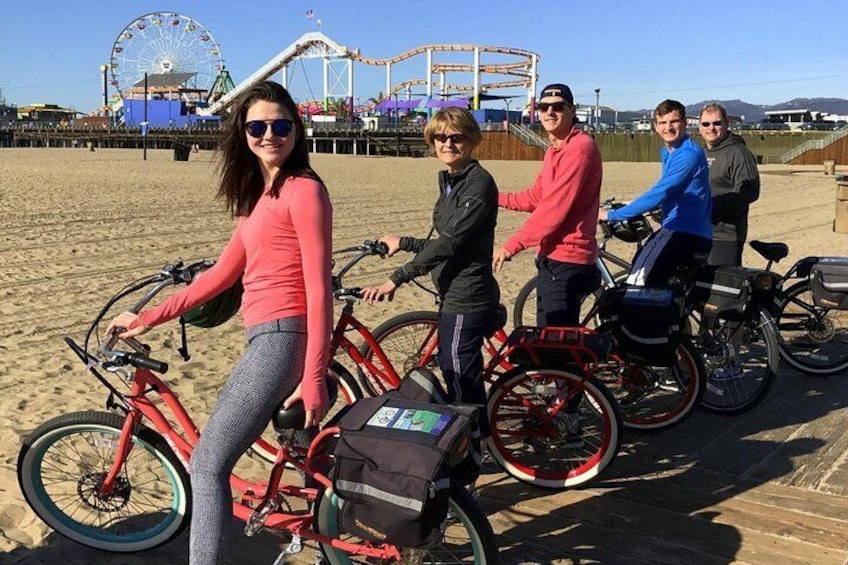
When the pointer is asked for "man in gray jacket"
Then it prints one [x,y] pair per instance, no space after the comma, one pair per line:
[734,182]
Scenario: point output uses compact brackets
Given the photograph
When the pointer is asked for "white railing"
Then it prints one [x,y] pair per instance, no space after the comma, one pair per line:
[813,144]
[528,136]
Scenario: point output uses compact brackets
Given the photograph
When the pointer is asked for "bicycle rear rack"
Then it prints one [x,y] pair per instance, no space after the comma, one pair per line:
[535,346]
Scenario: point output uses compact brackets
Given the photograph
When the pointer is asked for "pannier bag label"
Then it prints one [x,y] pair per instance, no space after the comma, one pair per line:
[410,419]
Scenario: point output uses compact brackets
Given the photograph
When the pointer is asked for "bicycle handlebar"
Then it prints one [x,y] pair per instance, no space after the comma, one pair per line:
[368,248]
[136,360]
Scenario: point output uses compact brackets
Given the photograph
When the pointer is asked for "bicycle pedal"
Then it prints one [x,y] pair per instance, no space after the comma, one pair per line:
[257,520]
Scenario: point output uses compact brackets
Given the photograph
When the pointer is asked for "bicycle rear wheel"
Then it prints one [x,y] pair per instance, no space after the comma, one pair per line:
[537,442]
[741,359]
[63,463]
[467,536]
[656,398]
[813,340]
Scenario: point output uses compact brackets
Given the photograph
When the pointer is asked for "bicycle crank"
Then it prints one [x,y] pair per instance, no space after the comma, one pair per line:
[296,546]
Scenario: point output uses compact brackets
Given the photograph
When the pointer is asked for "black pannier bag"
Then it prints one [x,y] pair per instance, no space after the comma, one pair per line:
[829,283]
[392,467]
[422,385]
[723,292]
[645,323]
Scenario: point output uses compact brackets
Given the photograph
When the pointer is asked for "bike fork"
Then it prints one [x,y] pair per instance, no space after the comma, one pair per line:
[125,445]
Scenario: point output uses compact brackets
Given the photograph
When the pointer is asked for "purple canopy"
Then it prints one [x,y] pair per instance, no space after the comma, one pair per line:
[391,104]
[458,103]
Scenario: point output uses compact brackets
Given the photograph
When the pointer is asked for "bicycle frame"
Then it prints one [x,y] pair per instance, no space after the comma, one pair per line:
[259,504]
[347,322]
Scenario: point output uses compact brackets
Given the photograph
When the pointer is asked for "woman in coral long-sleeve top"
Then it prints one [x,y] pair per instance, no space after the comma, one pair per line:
[281,248]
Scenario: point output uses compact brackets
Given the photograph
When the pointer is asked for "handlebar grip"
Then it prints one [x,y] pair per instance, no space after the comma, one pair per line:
[143,362]
[355,292]
[381,248]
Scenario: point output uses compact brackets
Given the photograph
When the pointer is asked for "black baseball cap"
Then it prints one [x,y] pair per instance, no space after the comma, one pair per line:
[560,90]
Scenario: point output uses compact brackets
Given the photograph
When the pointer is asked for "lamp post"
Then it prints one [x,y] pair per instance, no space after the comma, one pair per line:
[144,124]
[397,131]
[597,108]
[506,119]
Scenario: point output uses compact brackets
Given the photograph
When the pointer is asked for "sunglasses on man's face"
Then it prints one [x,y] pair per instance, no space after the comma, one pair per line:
[714,124]
[257,128]
[455,138]
[555,106]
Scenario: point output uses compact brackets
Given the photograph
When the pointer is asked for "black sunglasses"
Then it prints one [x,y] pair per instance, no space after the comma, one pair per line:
[456,138]
[257,128]
[557,106]
[714,124]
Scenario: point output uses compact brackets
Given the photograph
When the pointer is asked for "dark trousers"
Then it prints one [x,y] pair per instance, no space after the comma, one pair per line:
[726,252]
[560,289]
[662,254]
[461,357]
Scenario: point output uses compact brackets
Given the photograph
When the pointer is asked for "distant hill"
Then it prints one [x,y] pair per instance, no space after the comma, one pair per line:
[756,112]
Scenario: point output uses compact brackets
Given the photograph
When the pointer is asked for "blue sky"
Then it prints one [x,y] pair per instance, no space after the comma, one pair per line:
[637,52]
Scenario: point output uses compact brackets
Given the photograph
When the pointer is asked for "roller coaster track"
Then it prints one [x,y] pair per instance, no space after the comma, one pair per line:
[316,44]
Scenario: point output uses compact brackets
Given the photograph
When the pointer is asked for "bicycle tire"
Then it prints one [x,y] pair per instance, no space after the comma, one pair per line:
[349,392]
[61,463]
[468,537]
[402,338]
[653,399]
[740,373]
[812,340]
[524,310]
[533,446]
[521,316]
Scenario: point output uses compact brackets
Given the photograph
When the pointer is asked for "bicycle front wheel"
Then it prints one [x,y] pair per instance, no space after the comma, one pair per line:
[552,428]
[524,311]
[741,359]
[409,340]
[813,340]
[467,536]
[63,463]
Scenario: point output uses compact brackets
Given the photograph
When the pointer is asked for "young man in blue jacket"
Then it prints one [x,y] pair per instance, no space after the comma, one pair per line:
[683,192]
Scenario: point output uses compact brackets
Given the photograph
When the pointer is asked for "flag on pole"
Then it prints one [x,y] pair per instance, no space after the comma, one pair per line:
[309,14]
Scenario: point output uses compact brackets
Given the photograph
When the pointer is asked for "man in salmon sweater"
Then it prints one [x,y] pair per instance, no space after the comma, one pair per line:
[563,203]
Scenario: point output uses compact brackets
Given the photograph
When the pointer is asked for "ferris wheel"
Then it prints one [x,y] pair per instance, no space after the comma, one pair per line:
[161,43]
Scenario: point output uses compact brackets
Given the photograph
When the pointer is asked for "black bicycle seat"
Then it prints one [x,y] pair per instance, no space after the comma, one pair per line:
[771,251]
[294,417]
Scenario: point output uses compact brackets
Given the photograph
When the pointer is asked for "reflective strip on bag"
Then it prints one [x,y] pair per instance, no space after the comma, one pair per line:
[373,492]
[720,288]
[834,285]
[645,340]
[428,387]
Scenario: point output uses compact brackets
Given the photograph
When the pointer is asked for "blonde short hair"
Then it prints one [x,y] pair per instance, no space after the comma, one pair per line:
[455,118]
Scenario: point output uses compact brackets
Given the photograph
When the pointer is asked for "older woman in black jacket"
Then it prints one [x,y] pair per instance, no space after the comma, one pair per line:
[457,253]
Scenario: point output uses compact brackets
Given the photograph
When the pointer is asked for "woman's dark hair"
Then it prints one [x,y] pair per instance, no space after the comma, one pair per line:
[242,183]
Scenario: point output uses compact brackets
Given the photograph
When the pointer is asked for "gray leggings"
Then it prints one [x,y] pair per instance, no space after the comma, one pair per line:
[267,374]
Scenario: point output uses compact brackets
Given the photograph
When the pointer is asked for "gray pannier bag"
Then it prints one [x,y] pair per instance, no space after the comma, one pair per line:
[829,283]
